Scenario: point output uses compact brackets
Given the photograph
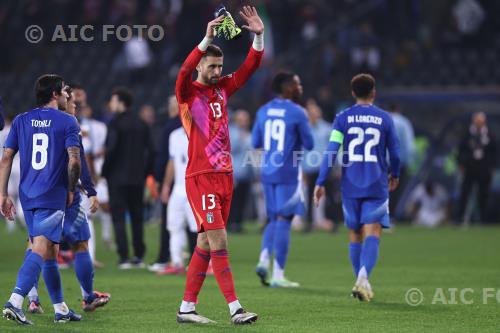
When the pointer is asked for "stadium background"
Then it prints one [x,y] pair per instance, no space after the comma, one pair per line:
[434,61]
[436,65]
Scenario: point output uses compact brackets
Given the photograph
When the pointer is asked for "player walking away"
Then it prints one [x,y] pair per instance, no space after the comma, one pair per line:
[209,178]
[282,130]
[179,212]
[76,231]
[48,145]
[365,132]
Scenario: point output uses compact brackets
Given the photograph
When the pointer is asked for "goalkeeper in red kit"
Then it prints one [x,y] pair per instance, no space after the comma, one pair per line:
[209,172]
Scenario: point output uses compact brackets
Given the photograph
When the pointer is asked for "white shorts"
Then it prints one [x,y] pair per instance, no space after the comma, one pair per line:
[102,190]
[179,213]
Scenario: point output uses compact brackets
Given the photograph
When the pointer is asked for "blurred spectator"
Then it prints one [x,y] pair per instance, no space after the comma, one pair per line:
[241,145]
[406,136]
[152,205]
[365,53]
[312,161]
[161,160]
[147,114]
[469,16]
[137,53]
[428,204]
[128,161]
[94,140]
[477,157]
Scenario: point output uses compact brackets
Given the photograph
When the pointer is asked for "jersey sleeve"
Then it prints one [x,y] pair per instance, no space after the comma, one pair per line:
[393,147]
[183,85]
[305,131]
[72,138]
[12,139]
[87,183]
[231,83]
[330,155]
[257,141]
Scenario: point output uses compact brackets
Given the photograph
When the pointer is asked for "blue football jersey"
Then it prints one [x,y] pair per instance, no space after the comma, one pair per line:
[42,136]
[366,133]
[282,129]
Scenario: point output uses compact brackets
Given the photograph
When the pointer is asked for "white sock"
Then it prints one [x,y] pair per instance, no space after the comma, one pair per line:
[187,306]
[234,306]
[61,308]
[33,294]
[362,275]
[264,259]
[84,293]
[92,240]
[278,272]
[16,300]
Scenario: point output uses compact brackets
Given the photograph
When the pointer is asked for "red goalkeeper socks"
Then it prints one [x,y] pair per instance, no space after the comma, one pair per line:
[197,271]
[223,275]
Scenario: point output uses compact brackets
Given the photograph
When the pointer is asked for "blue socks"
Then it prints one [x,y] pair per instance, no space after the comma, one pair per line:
[267,244]
[369,253]
[52,281]
[84,270]
[281,242]
[28,273]
[355,255]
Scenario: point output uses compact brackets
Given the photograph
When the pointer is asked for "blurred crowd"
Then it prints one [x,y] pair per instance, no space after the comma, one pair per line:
[326,42]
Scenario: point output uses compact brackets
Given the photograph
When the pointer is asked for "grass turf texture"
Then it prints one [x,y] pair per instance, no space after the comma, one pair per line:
[410,258]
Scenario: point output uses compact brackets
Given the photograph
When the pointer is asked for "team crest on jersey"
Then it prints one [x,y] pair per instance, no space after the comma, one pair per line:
[219,94]
[210,217]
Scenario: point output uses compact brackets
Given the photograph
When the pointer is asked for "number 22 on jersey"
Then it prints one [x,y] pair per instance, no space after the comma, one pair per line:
[359,140]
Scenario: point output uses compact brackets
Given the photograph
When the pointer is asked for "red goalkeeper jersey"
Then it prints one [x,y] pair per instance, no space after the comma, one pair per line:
[203,113]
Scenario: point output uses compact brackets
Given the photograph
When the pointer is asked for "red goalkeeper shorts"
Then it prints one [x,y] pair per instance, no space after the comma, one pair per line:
[210,195]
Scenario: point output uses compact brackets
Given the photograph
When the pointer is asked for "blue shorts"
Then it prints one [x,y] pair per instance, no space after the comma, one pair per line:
[284,200]
[76,225]
[366,211]
[45,222]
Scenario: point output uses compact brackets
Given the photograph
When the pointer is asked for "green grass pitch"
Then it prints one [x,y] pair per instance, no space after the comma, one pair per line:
[410,258]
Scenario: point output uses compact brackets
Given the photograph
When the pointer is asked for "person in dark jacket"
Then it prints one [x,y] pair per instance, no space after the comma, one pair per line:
[477,158]
[128,161]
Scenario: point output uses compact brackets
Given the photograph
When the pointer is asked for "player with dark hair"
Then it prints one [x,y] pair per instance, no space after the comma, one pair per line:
[49,148]
[209,178]
[282,130]
[365,132]
[76,232]
[123,95]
